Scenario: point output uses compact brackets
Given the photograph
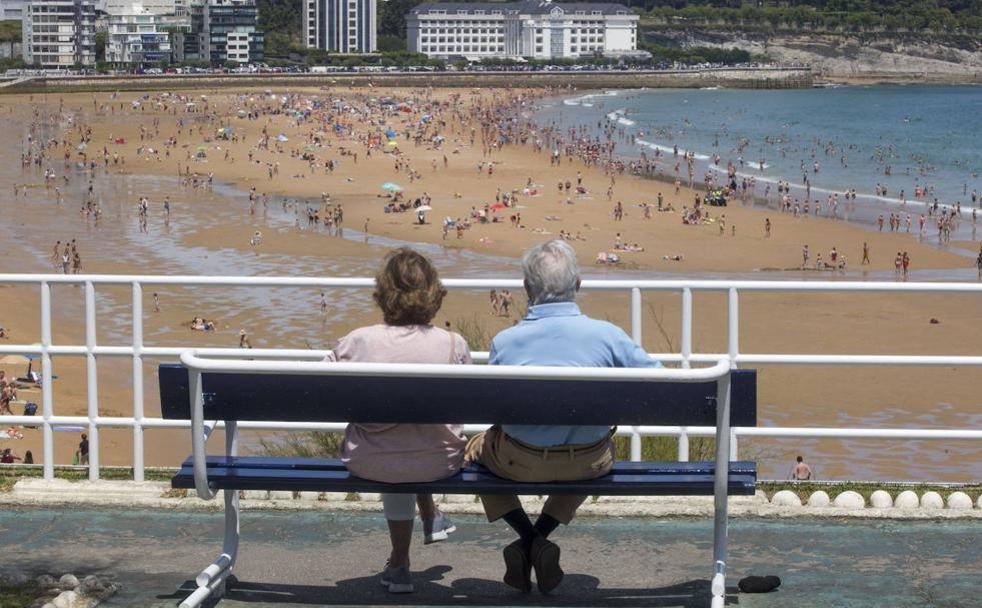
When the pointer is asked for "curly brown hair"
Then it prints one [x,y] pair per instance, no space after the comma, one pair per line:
[408,288]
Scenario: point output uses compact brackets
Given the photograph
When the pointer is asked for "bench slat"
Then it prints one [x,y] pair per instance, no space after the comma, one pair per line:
[419,400]
[471,481]
[334,464]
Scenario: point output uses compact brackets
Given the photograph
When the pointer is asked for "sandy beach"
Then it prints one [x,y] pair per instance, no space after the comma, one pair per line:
[322,150]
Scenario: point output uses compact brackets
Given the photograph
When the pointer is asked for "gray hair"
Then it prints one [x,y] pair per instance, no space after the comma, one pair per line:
[551,273]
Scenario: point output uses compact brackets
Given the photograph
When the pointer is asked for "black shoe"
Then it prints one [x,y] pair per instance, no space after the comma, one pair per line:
[759,584]
[545,560]
[518,568]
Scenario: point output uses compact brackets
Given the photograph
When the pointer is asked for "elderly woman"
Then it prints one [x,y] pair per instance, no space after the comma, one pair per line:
[409,293]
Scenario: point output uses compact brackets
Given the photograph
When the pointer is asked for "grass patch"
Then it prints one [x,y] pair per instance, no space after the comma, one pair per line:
[9,475]
[19,596]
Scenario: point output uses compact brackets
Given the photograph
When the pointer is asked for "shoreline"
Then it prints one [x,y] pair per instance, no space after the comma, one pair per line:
[761,77]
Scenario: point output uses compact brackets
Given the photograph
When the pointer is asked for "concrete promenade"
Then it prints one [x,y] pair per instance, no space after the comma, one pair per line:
[303,558]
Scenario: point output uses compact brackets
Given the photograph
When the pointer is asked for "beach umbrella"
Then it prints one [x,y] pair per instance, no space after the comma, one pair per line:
[14,360]
[424,209]
[392,142]
[282,137]
[391,186]
[202,147]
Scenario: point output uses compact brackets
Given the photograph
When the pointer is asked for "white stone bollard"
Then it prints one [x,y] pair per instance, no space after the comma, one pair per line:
[959,501]
[819,499]
[786,498]
[932,500]
[907,500]
[880,499]
[850,500]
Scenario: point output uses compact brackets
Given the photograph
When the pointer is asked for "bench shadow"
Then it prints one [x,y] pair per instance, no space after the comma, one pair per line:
[577,590]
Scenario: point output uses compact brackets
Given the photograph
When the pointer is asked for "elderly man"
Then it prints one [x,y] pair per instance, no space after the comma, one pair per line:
[554,332]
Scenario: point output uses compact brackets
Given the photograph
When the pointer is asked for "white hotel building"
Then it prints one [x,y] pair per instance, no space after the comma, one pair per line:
[534,29]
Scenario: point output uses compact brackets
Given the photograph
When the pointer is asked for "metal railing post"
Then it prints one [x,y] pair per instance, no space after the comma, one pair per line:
[137,381]
[686,327]
[733,324]
[636,315]
[683,445]
[92,386]
[47,405]
[635,445]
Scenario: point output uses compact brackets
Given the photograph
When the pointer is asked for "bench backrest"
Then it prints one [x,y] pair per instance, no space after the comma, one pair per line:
[425,400]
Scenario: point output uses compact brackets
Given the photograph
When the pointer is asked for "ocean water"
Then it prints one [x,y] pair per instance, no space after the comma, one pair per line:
[900,137]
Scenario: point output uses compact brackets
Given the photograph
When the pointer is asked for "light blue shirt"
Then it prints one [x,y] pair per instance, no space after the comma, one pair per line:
[559,334]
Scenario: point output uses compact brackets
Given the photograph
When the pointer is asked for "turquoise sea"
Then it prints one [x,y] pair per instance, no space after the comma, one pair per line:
[851,137]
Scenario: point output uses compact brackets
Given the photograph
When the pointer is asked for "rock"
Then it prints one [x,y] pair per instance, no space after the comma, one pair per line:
[14,577]
[92,585]
[932,500]
[907,500]
[67,599]
[68,581]
[46,582]
[49,605]
[819,499]
[881,499]
[786,498]
[850,500]
[959,501]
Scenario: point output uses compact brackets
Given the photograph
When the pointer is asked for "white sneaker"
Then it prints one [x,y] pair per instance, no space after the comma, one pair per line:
[437,529]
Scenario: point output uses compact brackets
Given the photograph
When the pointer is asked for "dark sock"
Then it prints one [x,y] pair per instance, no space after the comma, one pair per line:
[520,523]
[545,525]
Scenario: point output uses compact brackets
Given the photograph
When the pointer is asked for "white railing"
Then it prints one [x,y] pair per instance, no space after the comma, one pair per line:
[686,358]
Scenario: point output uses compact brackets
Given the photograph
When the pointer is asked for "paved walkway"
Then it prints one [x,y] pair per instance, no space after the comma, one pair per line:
[292,560]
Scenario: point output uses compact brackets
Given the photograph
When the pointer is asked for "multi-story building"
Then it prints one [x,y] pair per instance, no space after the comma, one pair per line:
[12,10]
[221,31]
[134,37]
[157,7]
[535,29]
[59,33]
[340,26]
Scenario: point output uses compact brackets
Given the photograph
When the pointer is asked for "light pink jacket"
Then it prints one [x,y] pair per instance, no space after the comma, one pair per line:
[395,453]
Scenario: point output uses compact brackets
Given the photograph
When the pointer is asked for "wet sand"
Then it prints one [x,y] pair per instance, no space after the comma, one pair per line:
[209,231]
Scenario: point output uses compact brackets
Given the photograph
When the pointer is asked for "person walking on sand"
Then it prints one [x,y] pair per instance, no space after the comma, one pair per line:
[495,301]
[767,227]
[865,254]
[506,302]
[804,256]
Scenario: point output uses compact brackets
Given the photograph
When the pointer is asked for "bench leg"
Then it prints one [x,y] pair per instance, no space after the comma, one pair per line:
[211,581]
[721,483]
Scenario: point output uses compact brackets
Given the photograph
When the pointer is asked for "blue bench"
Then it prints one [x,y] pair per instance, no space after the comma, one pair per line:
[201,390]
